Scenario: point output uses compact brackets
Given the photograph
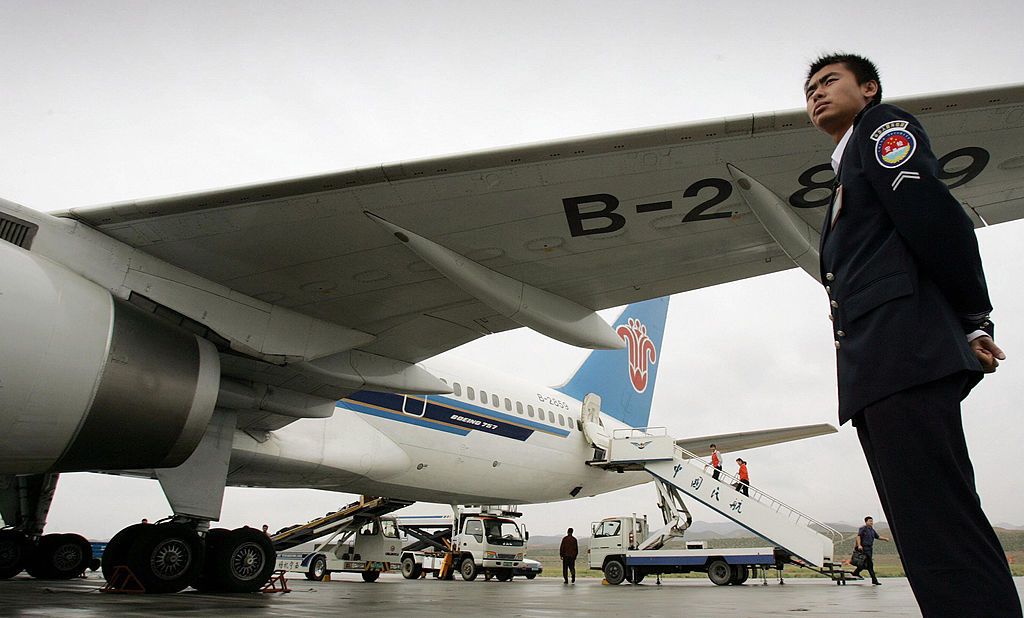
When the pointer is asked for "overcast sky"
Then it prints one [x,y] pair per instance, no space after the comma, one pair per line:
[108,101]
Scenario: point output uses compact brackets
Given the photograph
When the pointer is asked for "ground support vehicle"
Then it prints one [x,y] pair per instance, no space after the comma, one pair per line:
[473,541]
[528,569]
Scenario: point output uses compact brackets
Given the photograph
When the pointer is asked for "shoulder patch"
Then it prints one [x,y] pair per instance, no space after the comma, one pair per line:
[894,144]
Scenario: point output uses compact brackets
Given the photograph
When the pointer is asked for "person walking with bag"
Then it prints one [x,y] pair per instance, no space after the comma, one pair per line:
[865,543]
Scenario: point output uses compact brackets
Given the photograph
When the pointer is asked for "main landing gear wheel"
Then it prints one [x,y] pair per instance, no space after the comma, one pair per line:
[411,570]
[317,569]
[241,560]
[370,576]
[15,553]
[61,556]
[166,557]
[719,572]
[468,569]
[615,572]
[116,552]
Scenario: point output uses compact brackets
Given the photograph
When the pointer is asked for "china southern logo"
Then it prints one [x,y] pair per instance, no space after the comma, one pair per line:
[641,351]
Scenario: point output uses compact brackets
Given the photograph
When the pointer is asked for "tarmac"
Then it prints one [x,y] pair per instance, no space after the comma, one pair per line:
[545,597]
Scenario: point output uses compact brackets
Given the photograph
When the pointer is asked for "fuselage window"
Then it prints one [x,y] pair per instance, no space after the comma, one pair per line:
[551,416]
[561,420]
[457,388]
[470,393]
[495,401]
[529,410]
[519,407]
[414,406]
[483,396]
[508,404]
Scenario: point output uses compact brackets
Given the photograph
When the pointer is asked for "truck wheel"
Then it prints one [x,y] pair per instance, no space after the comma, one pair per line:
[317,569]
[411,570]
[530,576]
[370,576]
[635,576]
[468,569]
[504,575]
[614,572]
[719,572]
[739,575]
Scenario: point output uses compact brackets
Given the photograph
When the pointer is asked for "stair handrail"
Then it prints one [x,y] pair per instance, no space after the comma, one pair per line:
[773,502]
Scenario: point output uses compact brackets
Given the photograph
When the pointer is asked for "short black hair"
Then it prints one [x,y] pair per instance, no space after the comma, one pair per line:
[867,518]
[862,68]
[713,446]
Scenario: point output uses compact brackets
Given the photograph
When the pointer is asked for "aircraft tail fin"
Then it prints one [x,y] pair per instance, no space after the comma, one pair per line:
[625,378]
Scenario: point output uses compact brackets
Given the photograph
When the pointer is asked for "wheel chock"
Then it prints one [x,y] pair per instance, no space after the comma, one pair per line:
[272,584]
[604,582]
[123,581]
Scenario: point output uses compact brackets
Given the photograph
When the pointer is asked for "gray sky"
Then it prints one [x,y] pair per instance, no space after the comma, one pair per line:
[108,101]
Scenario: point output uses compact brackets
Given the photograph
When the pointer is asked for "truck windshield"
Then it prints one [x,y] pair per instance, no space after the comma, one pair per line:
[502,530]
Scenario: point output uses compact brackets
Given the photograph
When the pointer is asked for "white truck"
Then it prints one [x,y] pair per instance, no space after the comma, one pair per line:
[483,541]
[614,550]
[369,546]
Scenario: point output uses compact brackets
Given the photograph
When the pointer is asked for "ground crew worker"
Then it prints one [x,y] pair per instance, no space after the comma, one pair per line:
[568,551]
[865,542]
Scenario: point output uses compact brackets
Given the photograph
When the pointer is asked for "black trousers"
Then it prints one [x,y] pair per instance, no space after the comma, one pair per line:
[718,470]
[869,564]
[914,445]
[568,566]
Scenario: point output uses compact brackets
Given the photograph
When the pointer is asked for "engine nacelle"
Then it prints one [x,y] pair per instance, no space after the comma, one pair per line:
[90,382]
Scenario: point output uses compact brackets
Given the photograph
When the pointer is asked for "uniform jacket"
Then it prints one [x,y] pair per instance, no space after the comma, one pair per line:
[900,265]
[569,548]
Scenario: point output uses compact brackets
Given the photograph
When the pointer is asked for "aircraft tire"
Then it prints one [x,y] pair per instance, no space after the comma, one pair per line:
[116,552]
[166,558]
[15,553]
[370,576]
[468,569]
[317,569]
[61,556]
[242,561]
[720,572]
[207,580]
[411,570]
[614,571]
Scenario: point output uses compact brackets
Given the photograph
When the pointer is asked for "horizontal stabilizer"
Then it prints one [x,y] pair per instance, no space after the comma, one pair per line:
[730,442]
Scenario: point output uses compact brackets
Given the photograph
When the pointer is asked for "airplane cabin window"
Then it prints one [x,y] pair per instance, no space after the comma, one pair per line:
[551,416]
[483,396]
[561,420]
[458,389]
[540,413]
[495,401]
[470,393]
[508,404]
[519,407]
[529,409]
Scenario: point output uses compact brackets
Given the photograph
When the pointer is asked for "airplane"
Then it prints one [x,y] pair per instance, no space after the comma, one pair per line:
[281,334]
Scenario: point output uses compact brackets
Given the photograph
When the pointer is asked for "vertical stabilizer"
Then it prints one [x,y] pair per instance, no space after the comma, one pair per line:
[625,378]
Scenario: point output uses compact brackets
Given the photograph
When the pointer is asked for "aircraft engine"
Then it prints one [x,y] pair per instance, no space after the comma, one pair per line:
[91,382]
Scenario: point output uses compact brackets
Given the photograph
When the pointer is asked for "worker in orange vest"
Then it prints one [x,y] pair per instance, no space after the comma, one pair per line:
[716,462]
[744,485]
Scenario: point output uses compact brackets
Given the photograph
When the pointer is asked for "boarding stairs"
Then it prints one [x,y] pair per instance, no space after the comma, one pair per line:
[333,522]
[650,449]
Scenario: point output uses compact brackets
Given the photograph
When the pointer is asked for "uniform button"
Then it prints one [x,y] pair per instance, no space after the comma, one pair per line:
[828,289]
[837,345]
[831,318]
[834,304]
[829,276]
[841,333]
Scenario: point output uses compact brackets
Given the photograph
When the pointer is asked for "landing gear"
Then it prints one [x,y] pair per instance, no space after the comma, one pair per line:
[15,553]
[170,557]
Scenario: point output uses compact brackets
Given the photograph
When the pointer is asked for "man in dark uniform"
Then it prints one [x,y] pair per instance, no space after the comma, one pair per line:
[866,543]
[900,265]
[568,551]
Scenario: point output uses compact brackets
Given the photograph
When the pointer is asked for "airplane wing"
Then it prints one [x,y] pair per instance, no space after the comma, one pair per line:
[732,442]
[597,221]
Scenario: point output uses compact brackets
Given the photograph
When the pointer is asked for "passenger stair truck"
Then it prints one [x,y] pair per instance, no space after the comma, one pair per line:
[625,550]
[475,540]
[360,538]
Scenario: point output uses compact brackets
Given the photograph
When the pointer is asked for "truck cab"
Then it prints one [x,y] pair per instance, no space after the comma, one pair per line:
[613,536]
[490,544]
